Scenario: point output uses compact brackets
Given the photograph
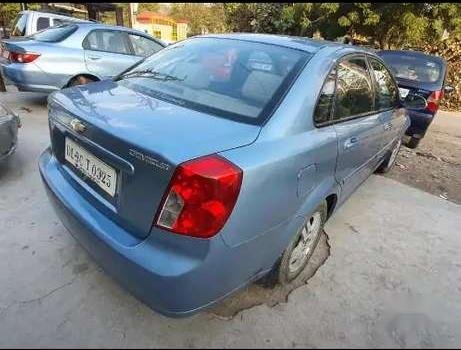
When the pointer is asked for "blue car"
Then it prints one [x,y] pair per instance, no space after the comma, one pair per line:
[422,74]
[217,161]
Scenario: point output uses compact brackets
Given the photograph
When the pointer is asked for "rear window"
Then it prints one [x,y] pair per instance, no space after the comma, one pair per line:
[415,68]
[55,34]
[229,78]
[19,25]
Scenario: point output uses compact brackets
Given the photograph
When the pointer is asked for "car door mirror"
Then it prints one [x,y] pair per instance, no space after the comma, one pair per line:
[448,89]
[414,101]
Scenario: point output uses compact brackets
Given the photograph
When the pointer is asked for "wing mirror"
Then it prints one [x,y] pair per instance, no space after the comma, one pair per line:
[448,89]
[414,101]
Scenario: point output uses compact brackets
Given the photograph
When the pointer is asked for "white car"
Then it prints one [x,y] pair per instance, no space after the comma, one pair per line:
[29,22]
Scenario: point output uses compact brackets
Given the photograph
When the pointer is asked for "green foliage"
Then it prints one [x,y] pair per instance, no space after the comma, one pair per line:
[202,18]
[148,6]
[388,25]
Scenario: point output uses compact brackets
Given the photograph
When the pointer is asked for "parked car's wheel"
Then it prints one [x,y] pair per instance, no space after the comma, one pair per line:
[298,253]
[81,80]
[413,142]
[389,161]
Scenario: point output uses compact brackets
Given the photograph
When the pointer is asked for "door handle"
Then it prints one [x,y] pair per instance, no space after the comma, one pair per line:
[353,141]
[94,58]
[388,126]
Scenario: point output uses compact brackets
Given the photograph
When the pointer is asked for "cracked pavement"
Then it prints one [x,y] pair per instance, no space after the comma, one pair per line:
[392,279]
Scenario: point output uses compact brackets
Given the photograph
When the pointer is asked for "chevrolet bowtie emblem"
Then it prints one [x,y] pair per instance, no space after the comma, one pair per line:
[77,126]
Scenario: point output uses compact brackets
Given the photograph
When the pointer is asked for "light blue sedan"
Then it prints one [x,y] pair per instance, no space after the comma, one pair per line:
[217,161]
[73,54]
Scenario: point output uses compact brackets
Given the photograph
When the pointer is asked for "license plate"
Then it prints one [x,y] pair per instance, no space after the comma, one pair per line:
[92,167]
[403,92]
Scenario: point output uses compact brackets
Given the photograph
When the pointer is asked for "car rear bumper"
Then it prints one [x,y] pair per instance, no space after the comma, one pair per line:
[27,77]
[420,122]
[174,275]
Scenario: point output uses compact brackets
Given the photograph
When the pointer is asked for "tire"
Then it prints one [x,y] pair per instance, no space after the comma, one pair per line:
[80,80]
[413,142]
[389,161]
[289,266]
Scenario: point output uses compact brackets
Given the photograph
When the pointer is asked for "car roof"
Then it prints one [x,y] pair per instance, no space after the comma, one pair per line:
[53,14]
[412,53]
[295,42]
[93,25]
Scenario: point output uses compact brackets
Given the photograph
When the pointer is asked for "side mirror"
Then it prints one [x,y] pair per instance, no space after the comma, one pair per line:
[448,89]
[414,101]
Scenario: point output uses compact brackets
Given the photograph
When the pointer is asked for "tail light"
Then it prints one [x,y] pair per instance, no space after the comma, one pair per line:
[433,101]
[26,57]
[200,197]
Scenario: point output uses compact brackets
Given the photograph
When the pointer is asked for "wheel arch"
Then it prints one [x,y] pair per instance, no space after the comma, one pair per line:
[85,74]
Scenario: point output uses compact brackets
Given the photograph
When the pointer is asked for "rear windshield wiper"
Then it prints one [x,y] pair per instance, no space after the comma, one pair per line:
[149,73]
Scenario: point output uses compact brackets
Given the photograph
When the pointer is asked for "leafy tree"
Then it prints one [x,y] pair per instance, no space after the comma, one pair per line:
[148,6]
[202,18]
[388,25]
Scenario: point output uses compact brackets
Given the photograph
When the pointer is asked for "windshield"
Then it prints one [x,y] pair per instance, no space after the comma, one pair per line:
[421,69]
[225,77]
[19,25]
[55,34]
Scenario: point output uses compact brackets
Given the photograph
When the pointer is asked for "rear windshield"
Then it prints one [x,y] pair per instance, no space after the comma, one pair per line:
[55,34]
[19,25]
[419,69]
[226,77]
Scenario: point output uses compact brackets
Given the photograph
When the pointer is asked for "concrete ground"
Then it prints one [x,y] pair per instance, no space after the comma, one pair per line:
[393,277]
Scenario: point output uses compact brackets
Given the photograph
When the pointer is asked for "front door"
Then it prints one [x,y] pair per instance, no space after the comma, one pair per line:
[108,52]
[358,128]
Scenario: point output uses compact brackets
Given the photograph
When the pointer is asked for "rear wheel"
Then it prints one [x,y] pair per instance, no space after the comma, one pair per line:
[389,161]
[81,80]
[298,253]
[413,142]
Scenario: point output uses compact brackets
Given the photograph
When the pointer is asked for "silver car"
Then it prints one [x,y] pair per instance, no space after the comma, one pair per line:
[73,54]
[9,124]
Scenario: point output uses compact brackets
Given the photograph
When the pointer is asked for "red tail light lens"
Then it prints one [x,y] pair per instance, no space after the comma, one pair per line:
[27,57]
[433,101]
[200,197]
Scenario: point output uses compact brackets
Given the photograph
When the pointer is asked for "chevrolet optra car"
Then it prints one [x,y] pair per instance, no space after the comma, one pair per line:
[73,54]
[216,161]
[421,74]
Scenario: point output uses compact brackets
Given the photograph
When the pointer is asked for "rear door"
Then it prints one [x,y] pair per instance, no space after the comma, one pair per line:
[386,102]
[108,52]
[358,127]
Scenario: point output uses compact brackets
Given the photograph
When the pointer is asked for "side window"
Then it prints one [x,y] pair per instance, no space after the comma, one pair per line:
[386,91]
[143,46]
[354,92]
[91,41]
[59,21]
[323,109]
[106,40]
[43,23]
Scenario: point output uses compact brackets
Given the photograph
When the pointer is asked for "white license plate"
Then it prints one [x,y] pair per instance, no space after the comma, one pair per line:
[95,169]
[403,92]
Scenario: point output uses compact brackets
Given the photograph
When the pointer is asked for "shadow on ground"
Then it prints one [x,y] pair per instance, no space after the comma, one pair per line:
[256,294]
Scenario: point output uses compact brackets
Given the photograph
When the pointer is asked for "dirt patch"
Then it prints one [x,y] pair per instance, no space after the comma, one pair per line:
[256,294]
[435,165]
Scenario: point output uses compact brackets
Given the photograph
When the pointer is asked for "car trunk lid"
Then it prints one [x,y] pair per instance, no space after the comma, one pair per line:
[142,138]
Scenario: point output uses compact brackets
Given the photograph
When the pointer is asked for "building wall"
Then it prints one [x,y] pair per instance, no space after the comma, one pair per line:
[181,30]
[164,29]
